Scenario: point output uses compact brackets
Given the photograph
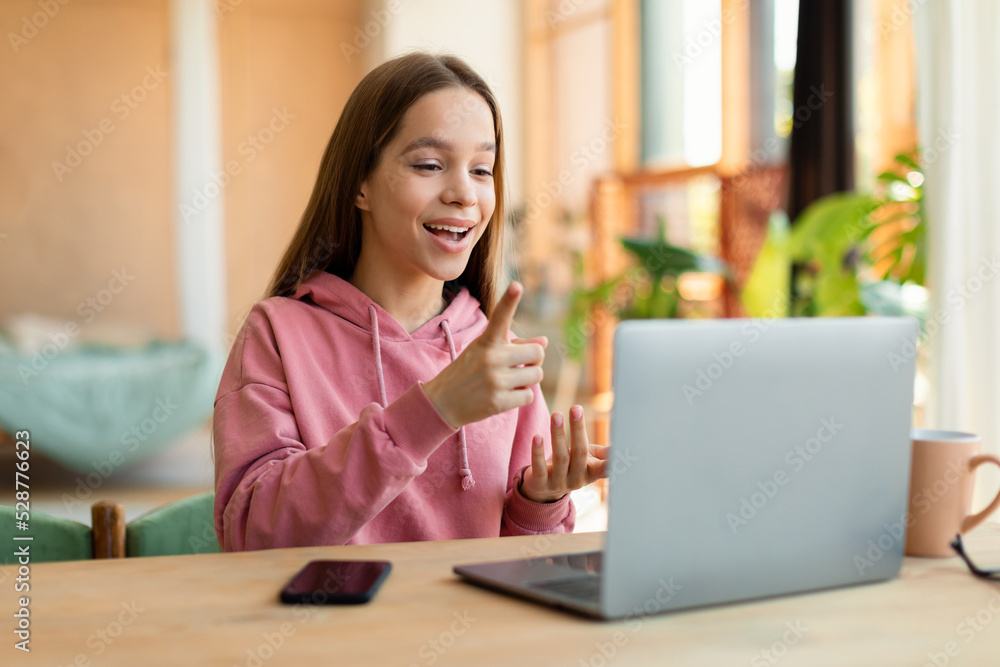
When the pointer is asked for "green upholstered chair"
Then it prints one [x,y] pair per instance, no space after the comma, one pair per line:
[183,527]
[57,539]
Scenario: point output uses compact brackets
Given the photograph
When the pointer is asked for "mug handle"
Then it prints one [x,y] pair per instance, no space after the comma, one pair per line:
[973,520]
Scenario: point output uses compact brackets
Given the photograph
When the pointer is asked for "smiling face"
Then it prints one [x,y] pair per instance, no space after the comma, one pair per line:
[431,196]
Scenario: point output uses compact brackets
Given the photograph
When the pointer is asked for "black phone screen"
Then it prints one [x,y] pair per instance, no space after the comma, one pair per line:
[336,582]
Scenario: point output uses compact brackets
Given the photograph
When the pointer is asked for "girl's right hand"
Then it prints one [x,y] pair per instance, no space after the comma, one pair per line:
[491,375]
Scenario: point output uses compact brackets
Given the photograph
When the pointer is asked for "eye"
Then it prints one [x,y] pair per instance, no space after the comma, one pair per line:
[482,172]
[426,166]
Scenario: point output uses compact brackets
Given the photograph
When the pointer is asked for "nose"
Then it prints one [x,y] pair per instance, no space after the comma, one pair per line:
[459,190]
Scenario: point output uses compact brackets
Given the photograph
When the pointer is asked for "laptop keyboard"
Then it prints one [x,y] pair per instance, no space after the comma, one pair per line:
[587,587]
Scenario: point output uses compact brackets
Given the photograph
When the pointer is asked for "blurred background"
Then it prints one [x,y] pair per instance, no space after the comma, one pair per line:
[667,158]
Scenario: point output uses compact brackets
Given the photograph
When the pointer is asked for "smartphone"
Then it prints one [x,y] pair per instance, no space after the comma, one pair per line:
[336,582]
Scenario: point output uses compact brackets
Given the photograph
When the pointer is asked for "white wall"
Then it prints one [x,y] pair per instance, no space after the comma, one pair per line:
[199,228]
[585,127]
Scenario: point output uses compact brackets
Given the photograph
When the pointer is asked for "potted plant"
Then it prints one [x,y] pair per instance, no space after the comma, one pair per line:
[647,289]
[856,253]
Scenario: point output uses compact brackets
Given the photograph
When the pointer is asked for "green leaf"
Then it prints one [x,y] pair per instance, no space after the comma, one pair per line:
[582,302]
[892,176]
[660,258]
[894,217]
[904,159]
[837,295]
[766,290]
[830,226]
[896,256]
[662,304]
[663,259]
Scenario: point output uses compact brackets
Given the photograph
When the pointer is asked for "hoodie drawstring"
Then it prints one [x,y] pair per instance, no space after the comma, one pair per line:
[378,355]
[464,470]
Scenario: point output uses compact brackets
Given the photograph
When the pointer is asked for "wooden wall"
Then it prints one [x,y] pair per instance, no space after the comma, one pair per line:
[281,63]
[64,231]
[109,206]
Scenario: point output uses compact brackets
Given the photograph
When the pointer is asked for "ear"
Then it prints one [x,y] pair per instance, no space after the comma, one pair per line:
[361,200]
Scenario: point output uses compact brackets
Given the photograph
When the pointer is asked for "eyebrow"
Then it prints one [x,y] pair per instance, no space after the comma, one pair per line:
[445,145]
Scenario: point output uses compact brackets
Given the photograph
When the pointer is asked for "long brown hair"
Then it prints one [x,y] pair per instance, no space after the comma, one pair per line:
[329,234]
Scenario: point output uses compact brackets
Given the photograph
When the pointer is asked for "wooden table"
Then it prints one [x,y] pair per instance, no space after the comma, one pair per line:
[222,609]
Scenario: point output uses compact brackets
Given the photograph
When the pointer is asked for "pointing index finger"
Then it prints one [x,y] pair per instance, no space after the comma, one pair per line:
[503,313]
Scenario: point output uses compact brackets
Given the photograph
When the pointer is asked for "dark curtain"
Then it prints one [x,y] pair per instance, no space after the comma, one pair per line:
[821,154]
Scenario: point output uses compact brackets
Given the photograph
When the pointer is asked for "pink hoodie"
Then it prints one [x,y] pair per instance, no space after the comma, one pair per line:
[315,445]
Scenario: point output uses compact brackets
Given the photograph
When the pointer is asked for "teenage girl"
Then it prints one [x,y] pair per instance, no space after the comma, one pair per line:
[376,394]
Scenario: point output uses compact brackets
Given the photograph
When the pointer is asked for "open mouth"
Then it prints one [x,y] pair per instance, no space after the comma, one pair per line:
[448,233]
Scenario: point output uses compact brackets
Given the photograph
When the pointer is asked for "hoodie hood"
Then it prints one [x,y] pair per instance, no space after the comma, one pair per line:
[461,321]
[343,299]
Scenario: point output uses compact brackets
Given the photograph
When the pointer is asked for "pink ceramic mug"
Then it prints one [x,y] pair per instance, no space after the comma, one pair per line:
[942,478]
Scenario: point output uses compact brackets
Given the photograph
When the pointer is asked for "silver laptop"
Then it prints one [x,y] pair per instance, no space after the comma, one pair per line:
[749,459]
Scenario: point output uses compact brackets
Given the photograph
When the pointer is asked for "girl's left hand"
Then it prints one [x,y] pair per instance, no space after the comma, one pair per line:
[571,467]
